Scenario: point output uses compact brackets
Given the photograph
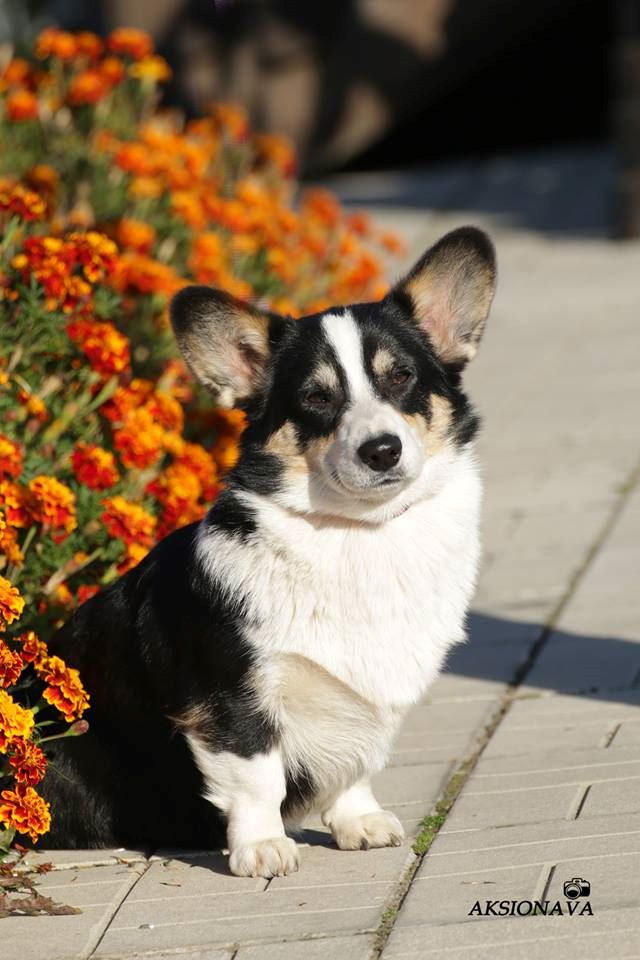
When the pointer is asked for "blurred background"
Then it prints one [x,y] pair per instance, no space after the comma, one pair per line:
[529,112]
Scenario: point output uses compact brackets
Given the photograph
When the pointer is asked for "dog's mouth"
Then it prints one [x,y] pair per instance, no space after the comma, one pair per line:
[368,490]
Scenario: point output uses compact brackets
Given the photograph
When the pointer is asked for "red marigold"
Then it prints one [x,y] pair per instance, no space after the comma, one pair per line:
[54,505]
[128,521]
[106,349]
[28,761]
[64,688]
[33,649]
[11,665]
[94,466]
[24,203]
[10,457]
[13,504]
[25,810]
[86,591]
[126,399]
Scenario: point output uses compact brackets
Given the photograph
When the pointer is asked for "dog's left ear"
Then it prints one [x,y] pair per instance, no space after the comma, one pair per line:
[450,291]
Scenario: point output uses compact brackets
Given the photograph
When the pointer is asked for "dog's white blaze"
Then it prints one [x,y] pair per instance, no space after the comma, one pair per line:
[343,334]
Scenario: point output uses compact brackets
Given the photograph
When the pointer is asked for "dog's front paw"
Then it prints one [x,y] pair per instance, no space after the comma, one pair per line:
[266,858]
[379,829]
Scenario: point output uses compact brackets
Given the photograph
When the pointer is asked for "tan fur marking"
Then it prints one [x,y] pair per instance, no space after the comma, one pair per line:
[284,442]
[325,376]
[433,434]
[383,362]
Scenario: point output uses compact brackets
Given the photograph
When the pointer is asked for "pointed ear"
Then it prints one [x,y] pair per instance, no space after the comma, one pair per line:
[225,342]
[450,291]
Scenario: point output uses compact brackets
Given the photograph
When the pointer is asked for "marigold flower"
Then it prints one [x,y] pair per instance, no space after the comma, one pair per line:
[94,466]
[54,505]
[21,105]
[113,69]
[128,521]
[134,158]
[28,761]
[24,203]
[9,545]
[106,349]
[130,42]
[11,665]
[166,411]
[154,69]
[202,465]
[15,721]
[89,43]
[13,504]
[16,73]
[11,603]
[25,810]
[126,399]
[52,42]
[64,688]
[33,649]
[10,457]
[86,591]
[139,441]
[134,553]
[135,235]
[87,87]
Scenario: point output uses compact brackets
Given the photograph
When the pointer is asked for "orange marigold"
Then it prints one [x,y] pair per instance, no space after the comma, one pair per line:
[11,665]
[52,42]
[26,811]
[135,235]
[89,86]
[135,552]
[15,721]
[13,504]
[64,688]
[9,545]
[128,521]
[126,399]
[130,42]
[139,441]
[54,505]
[21,105]
[10,457]
[24,203]
[28,761]
[89,43]
[166,411]
[11,603]
[94,466]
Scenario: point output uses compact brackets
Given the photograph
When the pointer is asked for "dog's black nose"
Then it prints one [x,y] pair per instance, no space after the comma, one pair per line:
[381,453]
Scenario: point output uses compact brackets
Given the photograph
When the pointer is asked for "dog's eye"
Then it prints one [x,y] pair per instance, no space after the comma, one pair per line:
[400,376]
[317,398]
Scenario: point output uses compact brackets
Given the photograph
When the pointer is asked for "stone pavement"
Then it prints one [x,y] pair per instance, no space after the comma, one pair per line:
[528,748]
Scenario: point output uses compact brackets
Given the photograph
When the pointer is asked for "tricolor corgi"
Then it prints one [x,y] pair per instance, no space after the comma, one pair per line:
[255,666]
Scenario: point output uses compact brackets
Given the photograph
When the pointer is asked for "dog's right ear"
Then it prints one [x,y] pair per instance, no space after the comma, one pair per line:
[225,342]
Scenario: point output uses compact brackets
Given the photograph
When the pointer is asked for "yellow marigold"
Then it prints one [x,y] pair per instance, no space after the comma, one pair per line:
[25,810]
[10,457]
[154,69]
[64,688]
[135,552]
[9,545]
[54,505]
[11,665]
[11,603]
[15,721]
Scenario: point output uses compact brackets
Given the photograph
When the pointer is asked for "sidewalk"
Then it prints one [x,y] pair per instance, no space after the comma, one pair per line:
[534,731]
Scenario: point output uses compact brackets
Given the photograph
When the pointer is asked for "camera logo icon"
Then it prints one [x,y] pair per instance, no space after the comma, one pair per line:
[577,887]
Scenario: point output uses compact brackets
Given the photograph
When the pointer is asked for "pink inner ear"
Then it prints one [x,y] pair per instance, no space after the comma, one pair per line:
[437,318]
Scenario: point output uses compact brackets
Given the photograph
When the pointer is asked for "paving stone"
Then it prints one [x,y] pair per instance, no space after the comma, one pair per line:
[203,875]
[398,786]
[68,859]
[616,796]
[473,811]
[329,948]
[608,934]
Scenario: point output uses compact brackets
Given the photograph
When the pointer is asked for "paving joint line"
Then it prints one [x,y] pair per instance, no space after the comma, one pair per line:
[94,940]
[463,771]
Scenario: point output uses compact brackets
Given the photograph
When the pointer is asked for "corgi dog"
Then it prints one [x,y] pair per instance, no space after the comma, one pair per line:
[255,666]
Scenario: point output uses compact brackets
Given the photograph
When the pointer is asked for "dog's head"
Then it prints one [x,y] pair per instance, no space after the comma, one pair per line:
[358,411]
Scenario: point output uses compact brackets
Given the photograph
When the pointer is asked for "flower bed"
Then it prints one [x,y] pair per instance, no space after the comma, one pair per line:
[107,207]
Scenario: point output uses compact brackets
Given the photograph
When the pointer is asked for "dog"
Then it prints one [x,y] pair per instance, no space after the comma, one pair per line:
[256,665]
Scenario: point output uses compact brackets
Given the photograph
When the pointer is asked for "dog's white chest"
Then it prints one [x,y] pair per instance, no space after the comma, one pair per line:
[376,607]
